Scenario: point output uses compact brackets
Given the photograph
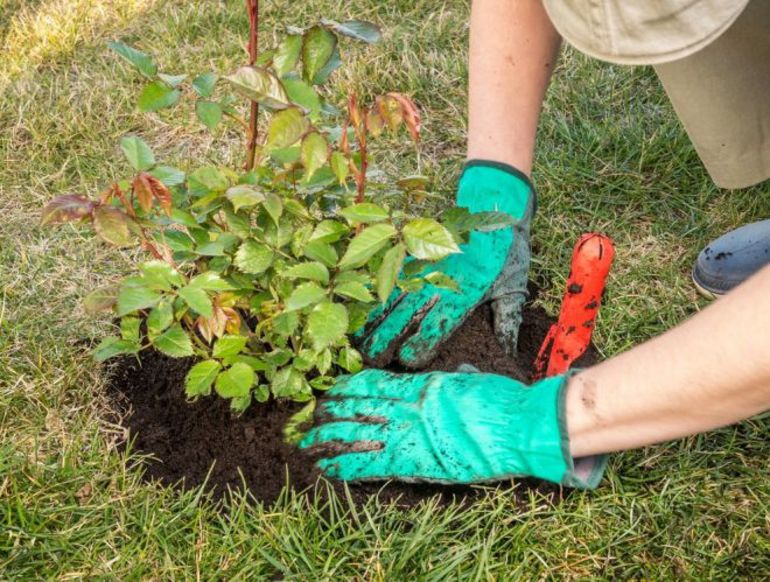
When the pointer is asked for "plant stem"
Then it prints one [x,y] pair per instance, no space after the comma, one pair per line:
[252,6]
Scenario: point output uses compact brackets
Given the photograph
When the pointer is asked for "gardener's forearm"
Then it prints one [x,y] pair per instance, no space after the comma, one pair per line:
[513,49]
[711,371]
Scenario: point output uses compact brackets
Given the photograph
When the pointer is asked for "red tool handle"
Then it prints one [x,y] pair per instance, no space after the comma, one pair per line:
[570,336]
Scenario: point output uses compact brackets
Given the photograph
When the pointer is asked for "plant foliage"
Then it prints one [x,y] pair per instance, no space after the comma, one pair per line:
[262,275]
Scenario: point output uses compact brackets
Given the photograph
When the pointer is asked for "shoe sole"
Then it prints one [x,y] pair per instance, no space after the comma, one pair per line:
[707,293]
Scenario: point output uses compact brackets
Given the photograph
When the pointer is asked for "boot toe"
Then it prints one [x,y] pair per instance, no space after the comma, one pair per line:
[732,258]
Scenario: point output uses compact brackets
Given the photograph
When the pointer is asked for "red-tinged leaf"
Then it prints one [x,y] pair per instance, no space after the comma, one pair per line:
[374,122]
[161,193]
[390,110]
[344,145]
[143,192]
[409,113]
[233,324]
[67,208]
[112,225]
[204,329]
[353,111]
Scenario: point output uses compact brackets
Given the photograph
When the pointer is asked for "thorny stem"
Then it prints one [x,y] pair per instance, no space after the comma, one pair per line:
[252,6]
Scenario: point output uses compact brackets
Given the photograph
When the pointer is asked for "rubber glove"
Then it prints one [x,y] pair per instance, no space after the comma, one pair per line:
[492,266]
[447,428]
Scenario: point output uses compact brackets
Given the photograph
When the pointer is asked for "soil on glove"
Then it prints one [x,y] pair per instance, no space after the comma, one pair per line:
[193,443]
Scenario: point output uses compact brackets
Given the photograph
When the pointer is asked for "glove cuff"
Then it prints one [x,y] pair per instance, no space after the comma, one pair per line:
[585,472]
[487,185]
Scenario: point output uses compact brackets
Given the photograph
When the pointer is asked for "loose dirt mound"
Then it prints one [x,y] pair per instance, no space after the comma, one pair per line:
[193,441]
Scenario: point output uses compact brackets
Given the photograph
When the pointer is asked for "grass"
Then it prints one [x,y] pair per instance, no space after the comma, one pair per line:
[611,157]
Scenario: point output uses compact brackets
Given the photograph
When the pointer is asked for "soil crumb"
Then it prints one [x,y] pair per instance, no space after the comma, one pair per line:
[193,443]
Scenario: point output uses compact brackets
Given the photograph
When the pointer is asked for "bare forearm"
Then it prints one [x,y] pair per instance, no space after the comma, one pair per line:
[513,49]
[711,371]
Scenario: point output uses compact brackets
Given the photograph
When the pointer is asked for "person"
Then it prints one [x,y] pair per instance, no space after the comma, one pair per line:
[713,57]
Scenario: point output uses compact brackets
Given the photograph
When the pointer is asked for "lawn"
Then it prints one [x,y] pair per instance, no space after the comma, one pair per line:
[611,157]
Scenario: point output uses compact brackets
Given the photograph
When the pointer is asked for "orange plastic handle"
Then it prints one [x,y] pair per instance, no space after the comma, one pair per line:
[570,336]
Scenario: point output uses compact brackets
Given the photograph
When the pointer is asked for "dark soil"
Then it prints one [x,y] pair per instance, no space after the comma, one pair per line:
[203,441]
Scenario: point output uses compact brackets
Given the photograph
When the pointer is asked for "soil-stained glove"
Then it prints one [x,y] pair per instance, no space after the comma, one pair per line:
[447,428]
[492,266]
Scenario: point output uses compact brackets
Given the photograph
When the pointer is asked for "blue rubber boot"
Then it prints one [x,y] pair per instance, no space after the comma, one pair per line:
[732,258]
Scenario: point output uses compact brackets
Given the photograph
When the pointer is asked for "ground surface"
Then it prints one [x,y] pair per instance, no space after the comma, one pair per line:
[192,444]
[611,157]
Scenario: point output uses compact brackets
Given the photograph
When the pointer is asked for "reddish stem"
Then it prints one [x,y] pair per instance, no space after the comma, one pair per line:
[252,6]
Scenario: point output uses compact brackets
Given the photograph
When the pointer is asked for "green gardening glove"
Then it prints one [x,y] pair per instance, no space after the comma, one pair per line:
[447,428]
[492,266]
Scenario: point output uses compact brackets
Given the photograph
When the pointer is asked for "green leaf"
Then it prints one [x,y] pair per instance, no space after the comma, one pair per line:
[442,281]
[327,324]
[236,381]
[287,383]
[489,221]
[329,231]
[229,346]
[411,183]
[142,61]
[177,240]
[304,295]
[314,153]
[427,239]
[244,196]
[210,282]
[239,404]
[354,290]
[286,128]
[365,212]
[174,342]
[331,65]
[294,430]
[260,85]
[350,360]
[184,218]
[129,329]
[324,361]
[359,313]
[285,156]
[212,248]
[135,297]
[366,244]
[387,274]
[321,251]
[204,84]
[102,299]
[198,300]
[274,206]
[317,49]
[160,275]
[356,276]
[211,178]
[111,224]
[285,324]
[168,175]
[314,271]
[209,113]
[157,95]
[137,152]
[200,378]
[357,29]
[114,346]
[340,166]
[254,257]
[172,80]
[160,318]
[287,54]
[302,94]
